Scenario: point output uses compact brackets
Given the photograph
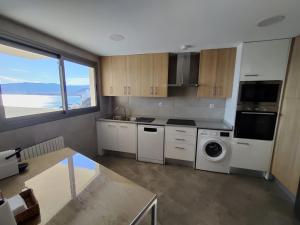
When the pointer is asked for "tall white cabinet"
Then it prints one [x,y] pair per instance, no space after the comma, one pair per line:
[114,136]
[265,60]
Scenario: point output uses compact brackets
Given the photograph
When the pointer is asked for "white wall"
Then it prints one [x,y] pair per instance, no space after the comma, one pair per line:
[231,103]
[80,131]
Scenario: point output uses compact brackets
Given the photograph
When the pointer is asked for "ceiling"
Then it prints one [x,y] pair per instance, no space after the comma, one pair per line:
[155,25]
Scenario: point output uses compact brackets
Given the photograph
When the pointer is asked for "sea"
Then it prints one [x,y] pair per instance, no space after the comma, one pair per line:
[38,101]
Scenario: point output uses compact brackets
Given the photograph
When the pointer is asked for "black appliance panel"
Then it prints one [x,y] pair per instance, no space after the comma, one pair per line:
[181,122]
[255,125]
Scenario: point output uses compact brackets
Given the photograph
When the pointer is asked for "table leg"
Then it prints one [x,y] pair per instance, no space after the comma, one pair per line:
[154,214]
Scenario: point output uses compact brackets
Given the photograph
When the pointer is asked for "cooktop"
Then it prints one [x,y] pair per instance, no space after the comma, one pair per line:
[144,119]
[181,122]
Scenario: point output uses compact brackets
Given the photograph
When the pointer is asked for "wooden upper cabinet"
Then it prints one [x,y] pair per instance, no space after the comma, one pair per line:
[216,72]
[135,75]
[160,74]
[106,75]
[225,72]
[207,73]
[118,67]
[146,76]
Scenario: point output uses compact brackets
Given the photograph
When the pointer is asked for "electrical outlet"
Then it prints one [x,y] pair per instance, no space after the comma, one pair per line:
[211,106]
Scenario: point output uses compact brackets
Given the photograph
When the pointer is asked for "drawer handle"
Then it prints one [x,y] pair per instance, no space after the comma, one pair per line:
[183,131]
[179,139]
[242,143]
[124,126]
[251,75]
[109,125]
[180,148]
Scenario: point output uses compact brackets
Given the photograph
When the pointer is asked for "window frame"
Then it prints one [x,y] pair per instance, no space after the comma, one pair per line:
[7,124]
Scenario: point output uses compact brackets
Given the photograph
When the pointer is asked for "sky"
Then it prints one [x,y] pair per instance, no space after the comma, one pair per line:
[18,69]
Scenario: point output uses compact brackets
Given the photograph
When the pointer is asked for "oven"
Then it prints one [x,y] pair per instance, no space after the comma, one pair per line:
[259,93]
[258,125]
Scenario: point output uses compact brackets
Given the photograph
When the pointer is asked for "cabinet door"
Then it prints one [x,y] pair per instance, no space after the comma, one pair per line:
[118,68]
[286,163]
[160,73]
[133,75]
[108,136]
[106,76]
[147,87]
[207,73]
[225,72]
[265,60]
[128,138]
[251,154]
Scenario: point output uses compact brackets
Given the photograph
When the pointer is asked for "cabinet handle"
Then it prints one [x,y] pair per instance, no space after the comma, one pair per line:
[156,90]
[251,75]
[242,143]
[179,139]
[109,125]
[151,90]
[125,91]
[129,90]
[180,148]
[183,131]
[111,89]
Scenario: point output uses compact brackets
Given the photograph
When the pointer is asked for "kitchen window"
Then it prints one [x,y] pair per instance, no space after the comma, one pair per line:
[80,85]
[38,85]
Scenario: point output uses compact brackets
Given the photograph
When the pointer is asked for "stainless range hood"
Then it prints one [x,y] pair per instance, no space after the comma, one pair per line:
[183,69]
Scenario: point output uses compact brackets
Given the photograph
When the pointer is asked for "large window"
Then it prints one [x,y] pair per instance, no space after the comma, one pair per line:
[32,82]
[80,83]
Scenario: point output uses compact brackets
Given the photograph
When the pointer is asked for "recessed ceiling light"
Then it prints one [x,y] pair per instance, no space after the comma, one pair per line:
[116,37]
[271,20]
[185,47]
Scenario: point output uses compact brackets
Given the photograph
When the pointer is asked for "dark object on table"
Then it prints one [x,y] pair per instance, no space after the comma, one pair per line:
[297,203]
[22,167]
[33,208]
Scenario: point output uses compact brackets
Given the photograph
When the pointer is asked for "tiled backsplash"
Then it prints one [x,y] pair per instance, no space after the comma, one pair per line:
[175,106]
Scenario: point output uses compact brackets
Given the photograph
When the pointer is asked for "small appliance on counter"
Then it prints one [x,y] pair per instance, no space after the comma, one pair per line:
[9,163]
[19,208]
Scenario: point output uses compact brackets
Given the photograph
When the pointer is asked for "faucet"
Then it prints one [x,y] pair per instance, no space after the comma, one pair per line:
[122,108]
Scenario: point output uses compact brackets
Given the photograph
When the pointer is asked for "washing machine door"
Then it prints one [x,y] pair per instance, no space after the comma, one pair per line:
[214,150]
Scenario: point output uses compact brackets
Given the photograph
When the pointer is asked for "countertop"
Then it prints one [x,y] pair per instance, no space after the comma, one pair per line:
[201,124]
[73,189]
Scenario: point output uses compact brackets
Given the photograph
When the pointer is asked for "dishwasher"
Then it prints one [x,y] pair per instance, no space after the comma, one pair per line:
[151,143]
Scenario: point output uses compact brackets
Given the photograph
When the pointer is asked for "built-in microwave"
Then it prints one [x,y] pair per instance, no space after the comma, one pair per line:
[256,93]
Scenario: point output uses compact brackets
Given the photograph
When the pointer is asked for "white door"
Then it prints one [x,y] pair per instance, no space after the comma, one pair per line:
[108,136]
[128,138]
[265,60]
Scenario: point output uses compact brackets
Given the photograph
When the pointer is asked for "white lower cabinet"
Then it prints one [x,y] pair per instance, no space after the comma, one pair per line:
[180,143]
[116,136]
[251,154]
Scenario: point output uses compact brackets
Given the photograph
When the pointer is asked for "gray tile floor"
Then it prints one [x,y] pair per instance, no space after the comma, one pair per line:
[194,197]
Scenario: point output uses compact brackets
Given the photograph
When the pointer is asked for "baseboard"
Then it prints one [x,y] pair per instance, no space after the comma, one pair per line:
[179,162]
[290,195]
[120,154]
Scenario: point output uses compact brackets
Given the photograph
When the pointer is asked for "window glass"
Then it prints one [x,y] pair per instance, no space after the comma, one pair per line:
[80,85]
[30,82]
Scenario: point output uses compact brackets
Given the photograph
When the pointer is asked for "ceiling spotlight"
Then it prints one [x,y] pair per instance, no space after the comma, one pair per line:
[271,20]
[185,47]
[116,37]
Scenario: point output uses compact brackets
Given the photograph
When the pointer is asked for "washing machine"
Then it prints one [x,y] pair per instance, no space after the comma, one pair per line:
[214,150]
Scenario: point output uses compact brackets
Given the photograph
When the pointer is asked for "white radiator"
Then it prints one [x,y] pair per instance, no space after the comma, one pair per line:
[43,148]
